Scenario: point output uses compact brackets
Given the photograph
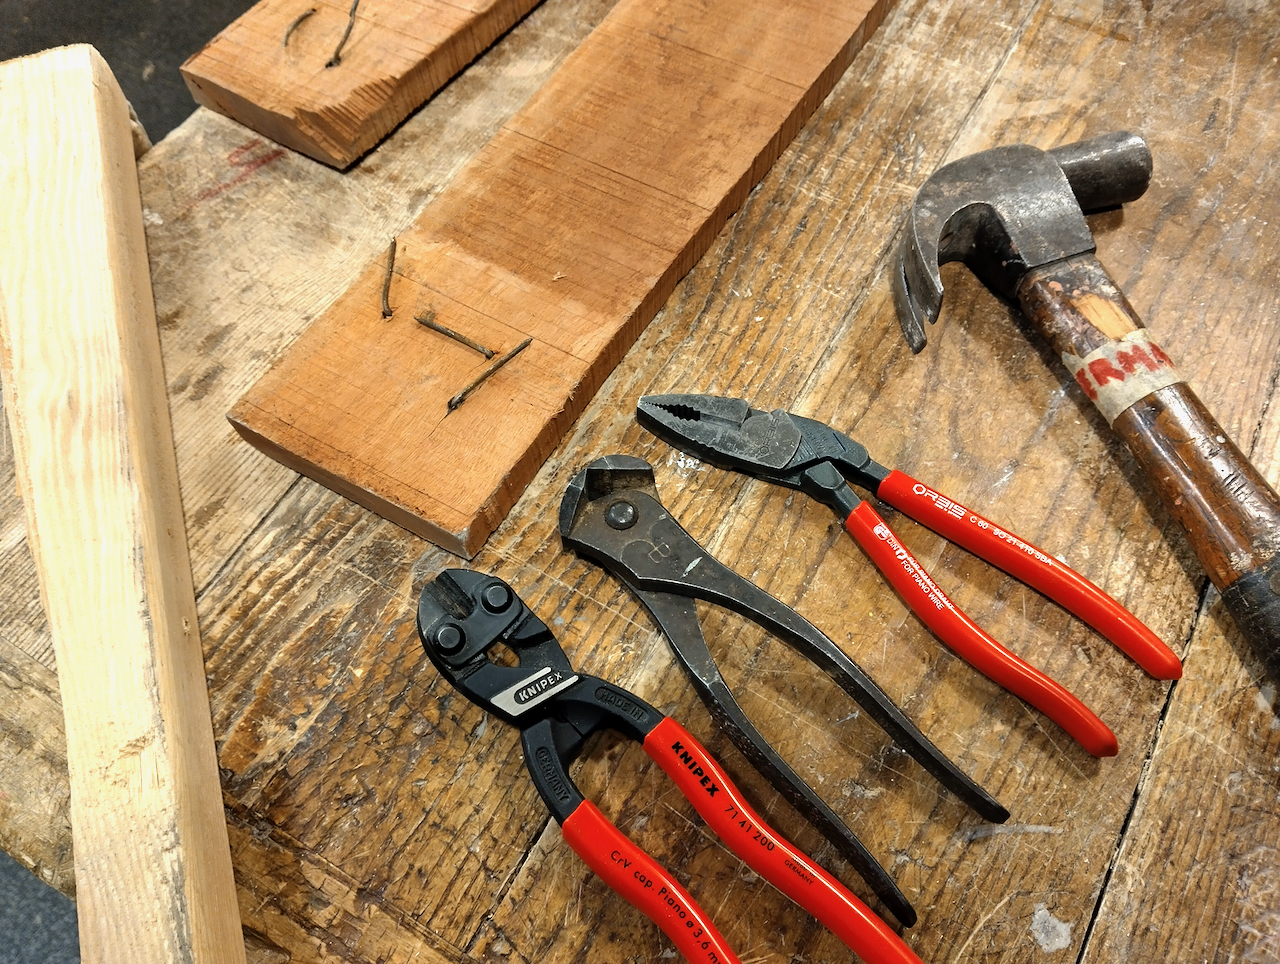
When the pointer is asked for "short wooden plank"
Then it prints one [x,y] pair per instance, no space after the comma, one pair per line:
[274,68]
[571,227]
[85,395]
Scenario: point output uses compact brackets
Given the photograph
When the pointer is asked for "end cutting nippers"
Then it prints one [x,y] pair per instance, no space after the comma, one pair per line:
[463,615]
[610,513]
[805,454]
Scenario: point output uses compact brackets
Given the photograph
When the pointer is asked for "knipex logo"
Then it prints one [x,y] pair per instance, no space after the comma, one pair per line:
[691,764]
[527,694]
[533,690]
[882,532]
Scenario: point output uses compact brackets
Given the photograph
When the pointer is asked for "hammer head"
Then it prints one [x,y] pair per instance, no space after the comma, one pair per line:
[1006,211]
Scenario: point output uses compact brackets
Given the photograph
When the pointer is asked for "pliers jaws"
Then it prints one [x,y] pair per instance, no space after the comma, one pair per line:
[800,453]
[805,454]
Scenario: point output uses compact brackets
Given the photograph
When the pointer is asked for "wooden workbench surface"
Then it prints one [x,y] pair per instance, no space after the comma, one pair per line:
[375,816]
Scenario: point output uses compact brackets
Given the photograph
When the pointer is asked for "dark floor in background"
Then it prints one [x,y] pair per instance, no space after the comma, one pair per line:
[37,924]
[144,41]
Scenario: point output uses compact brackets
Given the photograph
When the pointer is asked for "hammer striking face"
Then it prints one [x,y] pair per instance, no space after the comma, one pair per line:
[1015,216]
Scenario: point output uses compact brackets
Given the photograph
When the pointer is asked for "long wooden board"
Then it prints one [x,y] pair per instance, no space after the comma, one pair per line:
[93,448]
[291,70]
[571,227]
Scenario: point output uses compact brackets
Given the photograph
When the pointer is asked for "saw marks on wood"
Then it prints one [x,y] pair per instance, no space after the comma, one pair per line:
[330,78]
[572,226]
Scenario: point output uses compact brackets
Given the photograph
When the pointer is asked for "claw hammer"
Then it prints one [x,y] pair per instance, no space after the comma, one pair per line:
[1015,216]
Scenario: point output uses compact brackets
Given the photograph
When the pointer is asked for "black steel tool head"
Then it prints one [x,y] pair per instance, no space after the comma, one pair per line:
[726,432]
[1006,211]
[776,446]
[612,473]
[463,616]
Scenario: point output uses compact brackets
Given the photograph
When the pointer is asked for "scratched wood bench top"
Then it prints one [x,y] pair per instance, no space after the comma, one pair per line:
[373,818]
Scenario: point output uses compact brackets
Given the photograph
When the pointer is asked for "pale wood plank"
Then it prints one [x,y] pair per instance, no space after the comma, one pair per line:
[570,227]
[84,392]
[273,71]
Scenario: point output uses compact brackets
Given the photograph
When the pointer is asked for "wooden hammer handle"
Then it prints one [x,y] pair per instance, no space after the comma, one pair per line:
[1230,515]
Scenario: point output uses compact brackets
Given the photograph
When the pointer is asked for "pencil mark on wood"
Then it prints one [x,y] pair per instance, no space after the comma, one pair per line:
[247,162]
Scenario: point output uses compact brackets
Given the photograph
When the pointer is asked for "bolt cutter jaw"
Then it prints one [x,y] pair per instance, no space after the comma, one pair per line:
[463,616]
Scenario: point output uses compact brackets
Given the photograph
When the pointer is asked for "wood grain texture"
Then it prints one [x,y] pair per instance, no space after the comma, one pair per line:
[274,68]
[570,227]
[86,401]
[375,816]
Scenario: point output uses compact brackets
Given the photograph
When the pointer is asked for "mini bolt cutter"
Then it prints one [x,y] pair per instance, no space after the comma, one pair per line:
[804,454]
[610,513]
[463,615]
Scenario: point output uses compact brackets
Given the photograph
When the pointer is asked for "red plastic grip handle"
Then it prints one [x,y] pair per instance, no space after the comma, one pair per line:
[968,640]
[639,878]
[1035,567]
[703,781]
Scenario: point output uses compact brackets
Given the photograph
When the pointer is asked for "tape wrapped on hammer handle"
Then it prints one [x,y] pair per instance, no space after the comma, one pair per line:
[1230,514]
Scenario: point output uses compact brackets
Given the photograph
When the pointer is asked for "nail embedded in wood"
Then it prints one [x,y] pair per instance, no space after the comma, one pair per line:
[294,26]
[428,320]
[487,374]
[351,22]
[386,282]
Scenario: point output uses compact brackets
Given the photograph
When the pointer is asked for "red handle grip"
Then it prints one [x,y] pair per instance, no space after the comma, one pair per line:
[967,639]
[1035,567]
[702,780]
[641,880]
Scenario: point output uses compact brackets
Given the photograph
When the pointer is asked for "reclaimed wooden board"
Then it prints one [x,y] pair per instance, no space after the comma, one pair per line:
[375,816]
[85,396]
[332,79]
[570,228]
